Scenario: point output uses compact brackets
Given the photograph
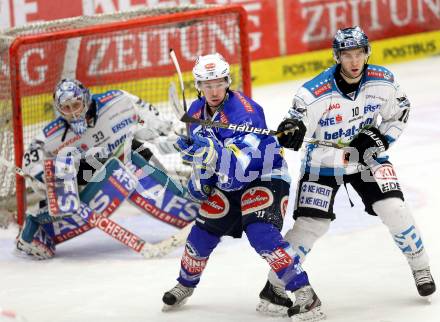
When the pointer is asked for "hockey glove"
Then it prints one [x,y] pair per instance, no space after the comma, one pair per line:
[199,189]
[202,151]
[369,142]
[292,133]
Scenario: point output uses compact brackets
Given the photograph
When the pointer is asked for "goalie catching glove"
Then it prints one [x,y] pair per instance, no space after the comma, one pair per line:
[369,142]
[150,125]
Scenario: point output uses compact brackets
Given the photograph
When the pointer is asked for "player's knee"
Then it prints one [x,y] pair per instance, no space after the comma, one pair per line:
[393,213]
[305,232]
[201,241]
[264,237]
[308,227]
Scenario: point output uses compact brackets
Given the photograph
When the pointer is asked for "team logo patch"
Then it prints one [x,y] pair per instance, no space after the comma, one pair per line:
[386,177]
[278,259]
[322,89]
[217,206]
[284,204]
[53,127]
[210,66]
[255,199]
[223,117]
[385,172]
[314,195]
[247,106]
[197,115]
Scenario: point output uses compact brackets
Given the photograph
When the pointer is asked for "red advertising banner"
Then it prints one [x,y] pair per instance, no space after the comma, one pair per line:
[118,56]
[262,19]
[20,12]
[263,25]
[311,24]
[294,27]
[262,15]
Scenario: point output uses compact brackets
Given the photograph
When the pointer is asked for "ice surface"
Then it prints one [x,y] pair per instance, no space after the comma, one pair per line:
[356,269]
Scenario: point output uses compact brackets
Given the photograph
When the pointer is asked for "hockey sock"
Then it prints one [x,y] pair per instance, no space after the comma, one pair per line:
[199,246]
[305,232]
[302,236]
[397,217]
[266,239]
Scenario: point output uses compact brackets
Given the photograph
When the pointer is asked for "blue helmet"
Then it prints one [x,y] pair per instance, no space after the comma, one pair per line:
[69,91]
[350,38]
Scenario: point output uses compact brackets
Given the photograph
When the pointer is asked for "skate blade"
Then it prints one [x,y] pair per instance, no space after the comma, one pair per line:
[270,309]
[313,315]
[167,308]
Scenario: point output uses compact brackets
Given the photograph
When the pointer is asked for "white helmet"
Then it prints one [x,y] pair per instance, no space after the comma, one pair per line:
[69,91]
[209,67]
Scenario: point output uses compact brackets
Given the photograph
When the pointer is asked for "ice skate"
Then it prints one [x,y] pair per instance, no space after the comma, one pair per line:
[307,306]
[176,297]
[424,282]
[273,301]
[41,246]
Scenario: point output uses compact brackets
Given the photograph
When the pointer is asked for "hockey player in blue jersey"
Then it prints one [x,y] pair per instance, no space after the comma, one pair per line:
[360,106]
[241,179]
[85,123]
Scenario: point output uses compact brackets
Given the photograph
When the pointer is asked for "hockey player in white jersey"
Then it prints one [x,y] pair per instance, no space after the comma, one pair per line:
[85,124]
[361,106]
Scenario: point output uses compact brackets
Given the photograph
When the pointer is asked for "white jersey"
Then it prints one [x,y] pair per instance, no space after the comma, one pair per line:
[114,117]
[333,116]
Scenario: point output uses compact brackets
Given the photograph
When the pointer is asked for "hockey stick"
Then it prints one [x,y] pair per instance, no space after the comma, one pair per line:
[118,232]
[133,241]
[179,75]
[182,88]
[183,116]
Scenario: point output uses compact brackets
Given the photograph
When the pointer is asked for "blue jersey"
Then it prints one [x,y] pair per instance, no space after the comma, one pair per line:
[252,156]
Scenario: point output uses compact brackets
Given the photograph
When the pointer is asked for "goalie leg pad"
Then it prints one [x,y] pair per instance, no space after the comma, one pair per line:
[400,222]
[107,189]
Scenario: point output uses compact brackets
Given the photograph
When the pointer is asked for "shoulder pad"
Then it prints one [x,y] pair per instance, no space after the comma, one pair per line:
[375,72]
[196,108]
[103,98]
[54,126]
[244,102]
[322,83]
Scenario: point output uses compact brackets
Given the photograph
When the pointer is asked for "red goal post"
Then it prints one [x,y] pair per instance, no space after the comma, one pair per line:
[126,50]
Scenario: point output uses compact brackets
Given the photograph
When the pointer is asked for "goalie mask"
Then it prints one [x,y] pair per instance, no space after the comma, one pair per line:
[210,67]
[71,102]
[350,38]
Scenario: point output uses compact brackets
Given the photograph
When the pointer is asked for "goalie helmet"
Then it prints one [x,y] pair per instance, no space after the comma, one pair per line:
[71,101]
[350,38]
[210,67]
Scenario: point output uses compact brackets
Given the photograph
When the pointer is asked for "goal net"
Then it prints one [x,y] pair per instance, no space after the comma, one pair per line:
[126,50]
